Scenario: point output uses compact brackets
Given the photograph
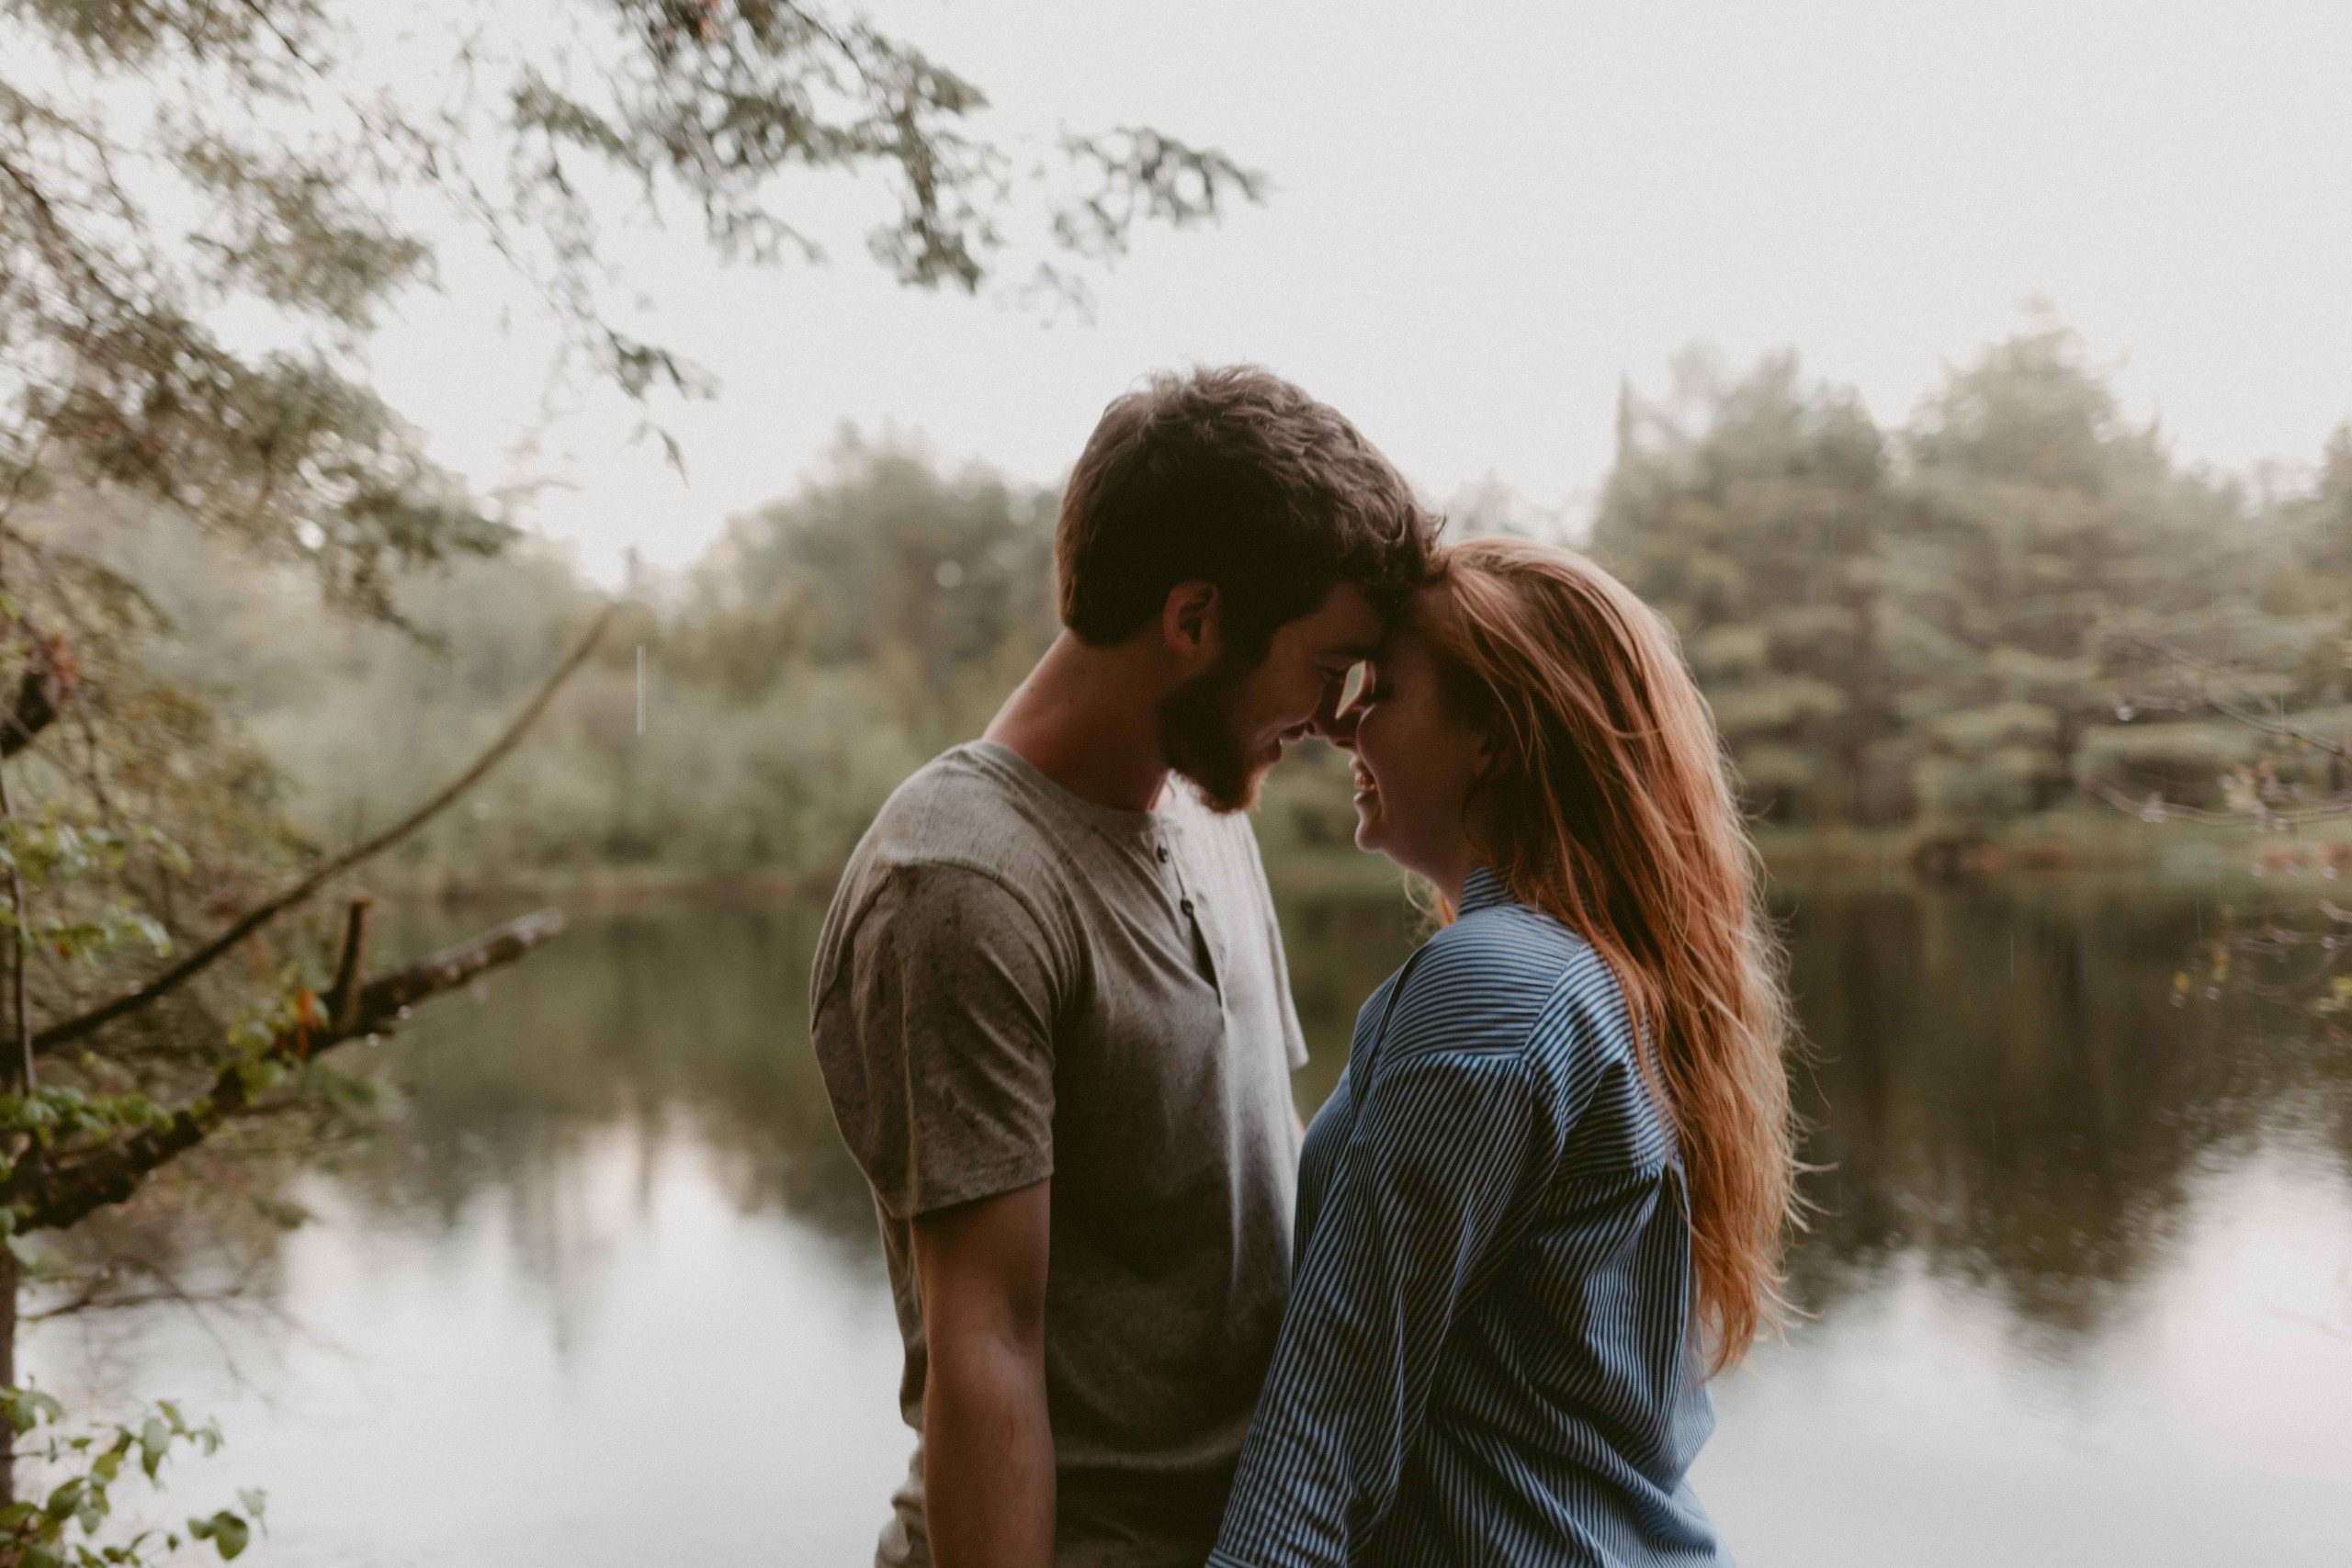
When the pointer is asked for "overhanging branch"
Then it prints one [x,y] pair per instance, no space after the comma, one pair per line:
[47,1195]
[195,964]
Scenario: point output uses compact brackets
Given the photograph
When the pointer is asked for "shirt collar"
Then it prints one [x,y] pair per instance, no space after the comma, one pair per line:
[1481,888]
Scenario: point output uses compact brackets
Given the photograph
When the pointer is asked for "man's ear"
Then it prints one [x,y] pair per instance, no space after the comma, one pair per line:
[1191,624]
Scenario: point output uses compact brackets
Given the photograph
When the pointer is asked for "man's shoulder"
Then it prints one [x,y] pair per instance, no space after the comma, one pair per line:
[955,854]
[962,809]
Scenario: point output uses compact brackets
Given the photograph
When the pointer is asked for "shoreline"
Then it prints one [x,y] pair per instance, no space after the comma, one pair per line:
[2056,847]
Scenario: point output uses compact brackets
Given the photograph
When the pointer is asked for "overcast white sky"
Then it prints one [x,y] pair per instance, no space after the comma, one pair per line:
[1483,216]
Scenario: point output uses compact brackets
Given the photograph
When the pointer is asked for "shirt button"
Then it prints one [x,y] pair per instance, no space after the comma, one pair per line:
[1162,852]
[1188,906]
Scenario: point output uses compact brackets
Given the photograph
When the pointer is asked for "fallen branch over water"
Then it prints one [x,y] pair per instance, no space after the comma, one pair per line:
[48,1194]
[70,1029]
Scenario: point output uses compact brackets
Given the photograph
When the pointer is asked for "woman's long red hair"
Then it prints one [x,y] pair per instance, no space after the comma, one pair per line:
[1609,805]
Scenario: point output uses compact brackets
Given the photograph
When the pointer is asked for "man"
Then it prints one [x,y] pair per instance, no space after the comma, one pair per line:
[1049,997]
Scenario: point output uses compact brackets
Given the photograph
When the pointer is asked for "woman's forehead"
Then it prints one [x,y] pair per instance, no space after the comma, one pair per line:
[1405,643]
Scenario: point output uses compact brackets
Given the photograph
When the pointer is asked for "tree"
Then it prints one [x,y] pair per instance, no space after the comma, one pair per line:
[1752,513]
[2041,532]
[204,210]
[258,121]
[882,561]
[1951,625]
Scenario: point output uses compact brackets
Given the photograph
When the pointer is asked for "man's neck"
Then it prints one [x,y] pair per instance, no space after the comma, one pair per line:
[1087,719]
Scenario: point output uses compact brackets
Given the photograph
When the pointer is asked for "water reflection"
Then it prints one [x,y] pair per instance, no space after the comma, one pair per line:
[2095,1243]
[693,1023]
[2002,1084]
[682,1023]
[1999,1081]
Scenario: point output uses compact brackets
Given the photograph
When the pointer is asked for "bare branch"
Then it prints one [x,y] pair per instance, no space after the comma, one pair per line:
[2235,705]
[58,1035]
[2155,808]
[20,1033]
[343,1002]
[61,1192]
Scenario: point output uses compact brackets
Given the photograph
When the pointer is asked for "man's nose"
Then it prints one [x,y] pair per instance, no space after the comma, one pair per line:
[1337,723]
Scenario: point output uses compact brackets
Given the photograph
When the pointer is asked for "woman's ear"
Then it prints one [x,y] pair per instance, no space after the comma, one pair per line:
[1484,754]
[1478,805]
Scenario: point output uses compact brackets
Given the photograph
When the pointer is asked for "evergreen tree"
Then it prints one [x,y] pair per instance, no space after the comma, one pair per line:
[1750,511]
[2042,540]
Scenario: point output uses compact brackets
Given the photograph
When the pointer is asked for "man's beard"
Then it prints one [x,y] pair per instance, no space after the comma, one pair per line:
[1201,741]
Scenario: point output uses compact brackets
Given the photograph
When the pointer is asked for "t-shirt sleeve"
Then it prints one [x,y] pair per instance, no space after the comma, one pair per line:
[939,1052]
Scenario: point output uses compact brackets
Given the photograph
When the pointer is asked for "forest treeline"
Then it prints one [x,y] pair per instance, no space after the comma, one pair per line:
[2015,600]
[2018,599]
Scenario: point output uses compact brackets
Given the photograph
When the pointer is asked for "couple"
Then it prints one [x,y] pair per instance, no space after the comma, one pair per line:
[1472,1320]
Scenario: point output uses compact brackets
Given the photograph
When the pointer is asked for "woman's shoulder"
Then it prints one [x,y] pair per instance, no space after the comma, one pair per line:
[1513,944]
[1487,982]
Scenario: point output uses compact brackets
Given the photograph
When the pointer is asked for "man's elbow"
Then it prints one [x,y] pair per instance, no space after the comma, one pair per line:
[1004,1351]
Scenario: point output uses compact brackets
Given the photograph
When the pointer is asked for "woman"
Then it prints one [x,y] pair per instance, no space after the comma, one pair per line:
[1544,1202]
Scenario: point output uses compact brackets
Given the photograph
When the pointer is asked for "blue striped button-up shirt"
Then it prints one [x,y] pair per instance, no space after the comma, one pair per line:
[1489,1355]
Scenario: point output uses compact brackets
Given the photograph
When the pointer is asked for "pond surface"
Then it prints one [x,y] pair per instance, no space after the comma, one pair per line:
[2078,1286]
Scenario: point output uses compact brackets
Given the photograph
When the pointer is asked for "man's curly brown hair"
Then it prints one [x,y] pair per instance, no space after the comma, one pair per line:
[1235,477]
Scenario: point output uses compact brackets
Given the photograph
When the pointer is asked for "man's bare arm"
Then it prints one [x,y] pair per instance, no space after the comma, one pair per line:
[987,1441]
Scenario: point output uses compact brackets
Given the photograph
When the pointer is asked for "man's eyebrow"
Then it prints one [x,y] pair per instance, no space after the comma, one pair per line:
[1354,652]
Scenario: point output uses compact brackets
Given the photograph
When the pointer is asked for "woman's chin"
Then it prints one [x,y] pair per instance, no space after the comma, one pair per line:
[1368,834]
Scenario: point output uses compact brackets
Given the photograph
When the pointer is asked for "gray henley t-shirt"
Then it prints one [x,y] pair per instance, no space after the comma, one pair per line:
[1013,984]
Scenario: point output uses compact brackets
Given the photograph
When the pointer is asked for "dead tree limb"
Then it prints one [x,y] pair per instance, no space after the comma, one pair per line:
[50,675]
[2243,703]
[342,998]
[61,1191]
[68,1030]
[20,1034]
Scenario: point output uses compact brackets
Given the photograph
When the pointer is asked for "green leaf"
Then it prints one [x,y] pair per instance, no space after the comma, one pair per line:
[64,1500]
[227,1533]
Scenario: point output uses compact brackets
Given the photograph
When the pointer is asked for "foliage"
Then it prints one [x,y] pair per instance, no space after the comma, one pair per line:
[1954,624]
[1750,512]
[39,1534]
[834,641]
[205,212]
[171,168]
[1943,625]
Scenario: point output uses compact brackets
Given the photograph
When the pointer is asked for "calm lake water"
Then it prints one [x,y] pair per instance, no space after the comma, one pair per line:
[2078,1290]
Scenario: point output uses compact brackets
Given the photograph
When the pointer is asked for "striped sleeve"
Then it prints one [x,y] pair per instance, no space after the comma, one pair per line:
[1439,1146]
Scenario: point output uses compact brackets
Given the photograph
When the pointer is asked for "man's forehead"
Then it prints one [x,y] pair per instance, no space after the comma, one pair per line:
[1345,623]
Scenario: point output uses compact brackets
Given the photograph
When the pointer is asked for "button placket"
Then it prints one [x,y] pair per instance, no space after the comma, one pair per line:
[1202,941]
